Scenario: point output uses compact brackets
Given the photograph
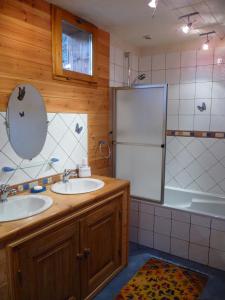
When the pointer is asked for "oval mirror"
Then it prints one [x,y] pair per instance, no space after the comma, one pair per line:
[26,121]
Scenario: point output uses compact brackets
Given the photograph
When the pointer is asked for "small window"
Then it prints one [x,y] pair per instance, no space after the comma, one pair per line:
[74,55]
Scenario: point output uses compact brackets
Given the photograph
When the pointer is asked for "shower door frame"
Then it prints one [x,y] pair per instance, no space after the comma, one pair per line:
[163,146]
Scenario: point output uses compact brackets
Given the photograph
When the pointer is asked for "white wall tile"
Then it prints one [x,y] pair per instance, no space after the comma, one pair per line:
[217,123]
[219,72]
[179,248]
[200,220]
[218,89]
[147,208]
[158,62]
[204,73]
[198,253]
[119,57]
[204,57]
[199,235]
[173,76]
[219,54]
[146,221]
[218,224]
[181,216]
[162,225]
[217,259]
[133,234]
[201,123]
[173,60]
[187,107]
[180,230]
[172,122]
[146,238]
[144,63]
[163,212]
[134,205]
[188,58]
[204,90]
[173,107]
[218,107]
[217,240]
[174,92]
[119,74]
[134,218]
[187,91]
[188,75]
[186,122]
[162,242]
[158,77]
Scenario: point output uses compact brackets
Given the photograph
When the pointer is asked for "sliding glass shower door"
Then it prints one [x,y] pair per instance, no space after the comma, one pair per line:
[139,139]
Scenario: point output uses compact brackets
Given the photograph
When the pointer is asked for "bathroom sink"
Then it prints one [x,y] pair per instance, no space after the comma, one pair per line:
[20,207]
[77,186]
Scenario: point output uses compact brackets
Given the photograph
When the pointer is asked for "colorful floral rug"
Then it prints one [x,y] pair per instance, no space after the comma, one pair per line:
[161,280]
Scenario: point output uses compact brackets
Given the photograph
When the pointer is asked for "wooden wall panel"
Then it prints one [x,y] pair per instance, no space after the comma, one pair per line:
[26,56]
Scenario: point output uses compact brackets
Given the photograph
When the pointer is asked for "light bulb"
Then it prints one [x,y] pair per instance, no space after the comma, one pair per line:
[186,28]
[152,3]
[205,46]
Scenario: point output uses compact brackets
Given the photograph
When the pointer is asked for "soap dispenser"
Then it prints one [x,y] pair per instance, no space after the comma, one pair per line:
[84,169]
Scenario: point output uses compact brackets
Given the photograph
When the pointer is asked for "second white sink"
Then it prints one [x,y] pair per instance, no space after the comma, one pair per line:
[77,186]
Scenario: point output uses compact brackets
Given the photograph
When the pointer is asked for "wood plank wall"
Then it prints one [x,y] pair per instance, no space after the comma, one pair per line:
[26,56]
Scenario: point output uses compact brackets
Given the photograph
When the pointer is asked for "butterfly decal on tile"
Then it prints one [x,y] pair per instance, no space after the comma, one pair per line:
[202,107]
[22,114]
[78,128]
[21,94]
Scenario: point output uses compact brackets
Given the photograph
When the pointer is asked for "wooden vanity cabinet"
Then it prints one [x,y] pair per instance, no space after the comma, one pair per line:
[45,267]
[101,241]
[72,259]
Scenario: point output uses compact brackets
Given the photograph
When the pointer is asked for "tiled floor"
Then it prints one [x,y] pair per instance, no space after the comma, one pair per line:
[214,290]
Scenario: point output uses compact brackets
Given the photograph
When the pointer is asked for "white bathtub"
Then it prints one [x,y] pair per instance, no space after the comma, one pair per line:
[197,202]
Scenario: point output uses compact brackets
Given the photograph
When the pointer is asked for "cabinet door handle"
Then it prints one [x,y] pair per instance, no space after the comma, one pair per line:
[19,276]
[71,298]
[80,255]
[87,252]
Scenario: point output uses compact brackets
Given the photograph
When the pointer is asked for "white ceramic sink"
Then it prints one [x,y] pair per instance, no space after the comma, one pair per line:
[20,207]
[77,186]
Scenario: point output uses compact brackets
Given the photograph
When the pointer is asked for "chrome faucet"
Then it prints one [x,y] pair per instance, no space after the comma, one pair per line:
[5,190]
[67,174]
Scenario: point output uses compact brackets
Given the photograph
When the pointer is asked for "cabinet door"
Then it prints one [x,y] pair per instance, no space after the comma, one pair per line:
[100,245]
[46,267]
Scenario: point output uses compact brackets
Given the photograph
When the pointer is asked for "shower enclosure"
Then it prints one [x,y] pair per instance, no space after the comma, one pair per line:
[139,139]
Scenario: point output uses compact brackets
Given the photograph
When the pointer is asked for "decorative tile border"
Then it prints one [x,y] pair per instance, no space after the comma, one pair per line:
[199,134]
[26,186]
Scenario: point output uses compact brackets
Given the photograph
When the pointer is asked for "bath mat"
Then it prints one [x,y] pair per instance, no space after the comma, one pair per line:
[161,280]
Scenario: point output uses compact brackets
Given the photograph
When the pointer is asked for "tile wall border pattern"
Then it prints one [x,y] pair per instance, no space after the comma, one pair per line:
[198,134]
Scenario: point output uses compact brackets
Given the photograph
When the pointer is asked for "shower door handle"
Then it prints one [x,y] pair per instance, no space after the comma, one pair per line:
[163,146]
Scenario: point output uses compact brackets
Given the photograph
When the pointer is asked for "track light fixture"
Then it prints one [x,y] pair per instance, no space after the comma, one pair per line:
[205,45]
[186,28]
[153,3]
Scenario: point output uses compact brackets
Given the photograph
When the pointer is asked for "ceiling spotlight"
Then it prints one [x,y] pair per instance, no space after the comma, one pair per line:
[186,28]
[153,3]
[205,45]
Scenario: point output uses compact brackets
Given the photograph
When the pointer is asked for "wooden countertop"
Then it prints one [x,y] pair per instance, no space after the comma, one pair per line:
[63,205]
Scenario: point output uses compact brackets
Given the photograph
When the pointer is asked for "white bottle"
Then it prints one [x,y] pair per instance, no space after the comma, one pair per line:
[84,169]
